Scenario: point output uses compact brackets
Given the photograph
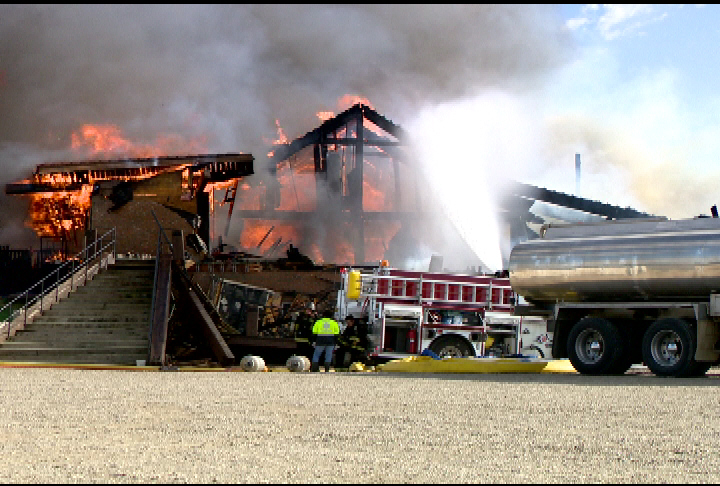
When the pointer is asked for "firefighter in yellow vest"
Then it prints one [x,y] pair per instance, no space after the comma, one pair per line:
[325,331]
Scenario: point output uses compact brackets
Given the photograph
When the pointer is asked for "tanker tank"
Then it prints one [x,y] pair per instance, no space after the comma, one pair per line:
[630,260]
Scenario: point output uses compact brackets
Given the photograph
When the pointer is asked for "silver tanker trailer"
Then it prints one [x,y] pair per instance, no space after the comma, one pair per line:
[626,291]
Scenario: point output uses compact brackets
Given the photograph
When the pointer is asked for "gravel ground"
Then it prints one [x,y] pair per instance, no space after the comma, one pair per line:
[72,426]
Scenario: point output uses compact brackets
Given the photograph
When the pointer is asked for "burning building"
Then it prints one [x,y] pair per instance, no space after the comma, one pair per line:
[67,199]
[347,193]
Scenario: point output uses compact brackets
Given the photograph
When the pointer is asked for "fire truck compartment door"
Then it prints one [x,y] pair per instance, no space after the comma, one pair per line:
[411,311]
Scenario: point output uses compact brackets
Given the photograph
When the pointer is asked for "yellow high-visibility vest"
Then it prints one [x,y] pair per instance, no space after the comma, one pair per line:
[326,326]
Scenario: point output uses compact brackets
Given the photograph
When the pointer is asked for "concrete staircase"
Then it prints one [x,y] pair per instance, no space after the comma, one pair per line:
[104,322]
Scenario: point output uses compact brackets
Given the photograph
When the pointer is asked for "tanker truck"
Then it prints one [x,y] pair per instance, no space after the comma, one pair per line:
[621,292]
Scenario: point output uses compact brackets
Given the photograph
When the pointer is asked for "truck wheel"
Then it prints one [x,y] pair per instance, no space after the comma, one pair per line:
[595,348]
[451,347]
[668,348]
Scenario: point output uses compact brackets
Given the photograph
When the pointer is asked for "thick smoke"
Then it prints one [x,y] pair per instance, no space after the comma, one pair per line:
[227,72]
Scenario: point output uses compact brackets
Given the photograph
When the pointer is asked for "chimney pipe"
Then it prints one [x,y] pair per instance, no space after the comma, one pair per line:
[577,175]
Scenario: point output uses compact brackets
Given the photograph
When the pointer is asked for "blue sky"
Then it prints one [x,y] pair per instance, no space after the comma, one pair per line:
[648,74]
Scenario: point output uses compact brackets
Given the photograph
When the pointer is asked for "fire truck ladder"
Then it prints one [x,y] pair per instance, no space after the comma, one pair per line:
[423,291]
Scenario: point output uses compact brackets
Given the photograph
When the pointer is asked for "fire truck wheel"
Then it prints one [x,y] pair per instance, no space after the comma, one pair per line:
[595,347]
[451,347]
[668,348]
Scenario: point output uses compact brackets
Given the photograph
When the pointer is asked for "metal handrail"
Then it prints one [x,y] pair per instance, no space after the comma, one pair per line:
[85,257]
[158,252]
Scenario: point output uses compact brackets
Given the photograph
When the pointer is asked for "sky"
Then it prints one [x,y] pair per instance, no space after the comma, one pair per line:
[488,92]
[635,94]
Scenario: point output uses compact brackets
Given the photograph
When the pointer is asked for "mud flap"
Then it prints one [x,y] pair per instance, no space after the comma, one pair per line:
[708,333]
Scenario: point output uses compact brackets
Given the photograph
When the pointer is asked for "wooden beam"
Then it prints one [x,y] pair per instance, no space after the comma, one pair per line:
[192,295]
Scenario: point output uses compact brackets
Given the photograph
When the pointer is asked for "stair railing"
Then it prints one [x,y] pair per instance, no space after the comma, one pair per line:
[157,334]
[63,280]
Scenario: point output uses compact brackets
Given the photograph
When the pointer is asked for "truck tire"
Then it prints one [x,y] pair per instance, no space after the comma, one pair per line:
[451,347]
[595,347]
[668,348]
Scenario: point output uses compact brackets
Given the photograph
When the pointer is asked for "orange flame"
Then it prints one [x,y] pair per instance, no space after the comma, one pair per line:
[58,214]
[108,140]
[280,140]
[348,100]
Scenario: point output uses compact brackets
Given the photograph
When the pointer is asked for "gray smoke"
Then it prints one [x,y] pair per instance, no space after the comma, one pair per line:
[227,72]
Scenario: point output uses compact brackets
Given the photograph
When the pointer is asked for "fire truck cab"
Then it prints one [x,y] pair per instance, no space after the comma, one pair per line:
[451,315]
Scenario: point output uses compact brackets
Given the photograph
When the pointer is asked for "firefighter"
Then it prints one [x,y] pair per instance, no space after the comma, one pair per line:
[325,332]
[349,344]
[305,322]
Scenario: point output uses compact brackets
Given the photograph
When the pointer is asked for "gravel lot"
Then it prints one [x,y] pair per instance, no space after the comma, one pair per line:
[71,426]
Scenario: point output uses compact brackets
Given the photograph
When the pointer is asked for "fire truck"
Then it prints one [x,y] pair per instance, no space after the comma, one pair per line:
[451,315]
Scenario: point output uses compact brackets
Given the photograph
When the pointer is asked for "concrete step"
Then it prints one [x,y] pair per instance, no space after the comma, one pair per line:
[87,333]
[114,279]
[80,358]
[115,286]
[80,307]
[50,351]
[90,322]
[112,289]
[110,293]
[122,278]
[101,305]
[80,343]
[118,315]
[105,321]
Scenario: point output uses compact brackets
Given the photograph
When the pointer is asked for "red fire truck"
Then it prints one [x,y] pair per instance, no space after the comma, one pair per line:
[408,312]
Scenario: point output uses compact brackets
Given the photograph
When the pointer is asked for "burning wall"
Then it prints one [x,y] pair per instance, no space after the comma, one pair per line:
[68,198]
[346,193]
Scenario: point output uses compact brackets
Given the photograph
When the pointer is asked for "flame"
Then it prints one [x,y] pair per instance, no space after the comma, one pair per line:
[280,140]
[348,100]
[93,140]
[58,214]
[261,236]
[345,102]
[296,180]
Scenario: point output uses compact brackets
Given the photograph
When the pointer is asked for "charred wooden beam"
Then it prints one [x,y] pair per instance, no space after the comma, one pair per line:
[31,188]
[319,134]
[127,164]
[202,313]
[566,200]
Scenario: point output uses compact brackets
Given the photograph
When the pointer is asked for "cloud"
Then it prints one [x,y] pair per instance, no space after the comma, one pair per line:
[613,21]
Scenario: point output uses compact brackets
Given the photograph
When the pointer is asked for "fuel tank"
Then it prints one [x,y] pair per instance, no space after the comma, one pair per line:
[626,260]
